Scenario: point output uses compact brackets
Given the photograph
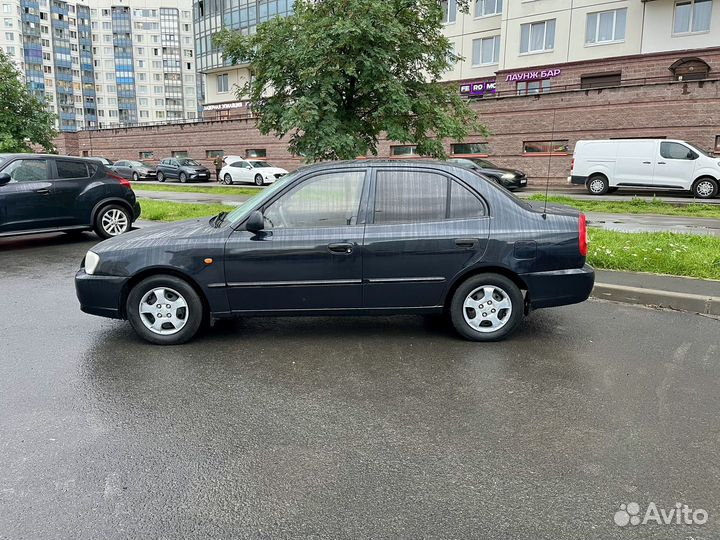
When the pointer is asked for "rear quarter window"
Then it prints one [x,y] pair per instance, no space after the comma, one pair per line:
[71,169]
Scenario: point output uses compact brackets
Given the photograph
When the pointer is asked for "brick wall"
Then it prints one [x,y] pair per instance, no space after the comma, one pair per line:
[680,110]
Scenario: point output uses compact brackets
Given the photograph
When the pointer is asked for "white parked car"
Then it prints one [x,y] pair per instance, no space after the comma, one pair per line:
[603,166]
[250,170]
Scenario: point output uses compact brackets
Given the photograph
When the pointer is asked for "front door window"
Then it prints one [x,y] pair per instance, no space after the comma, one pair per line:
[27,170]
[328,200]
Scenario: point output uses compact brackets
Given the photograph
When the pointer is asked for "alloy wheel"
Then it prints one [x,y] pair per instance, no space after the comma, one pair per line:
[114,222]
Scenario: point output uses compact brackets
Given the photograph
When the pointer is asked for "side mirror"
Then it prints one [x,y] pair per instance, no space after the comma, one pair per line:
[4,178]
[691,155]
[256,222]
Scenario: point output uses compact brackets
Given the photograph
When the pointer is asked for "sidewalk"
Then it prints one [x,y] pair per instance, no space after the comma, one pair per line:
[674,198]
[685,294]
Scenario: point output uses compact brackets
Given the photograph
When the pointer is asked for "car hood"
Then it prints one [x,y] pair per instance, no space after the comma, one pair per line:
[500,172]
[192,231]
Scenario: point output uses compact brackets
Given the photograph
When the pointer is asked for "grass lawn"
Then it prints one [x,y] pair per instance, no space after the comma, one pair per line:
[174,211]
[196,189]
[659,253]
[635,206]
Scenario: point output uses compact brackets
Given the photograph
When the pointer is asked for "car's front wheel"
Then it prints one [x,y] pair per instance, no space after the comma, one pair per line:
[164,310]
[160,177]
[227,180]
[705,188]
[135,177]
[183,177]
[486,307]
[112,220]
[259,180]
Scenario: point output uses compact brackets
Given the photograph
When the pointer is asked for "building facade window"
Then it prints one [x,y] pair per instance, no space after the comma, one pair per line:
[692,16]
[404,150]
[223,83]
[146,154]
[486,51]
[449,8]
[546,147]
[600,80]
[606,26]
[486,8]
[717,143]
[179,153]
[470,149]
[537,37]
[526,88]
[255,153]
[214,153]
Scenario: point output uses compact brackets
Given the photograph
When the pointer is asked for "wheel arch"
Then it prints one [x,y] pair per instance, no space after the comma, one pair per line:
[156,271]
[470,272]
[110,200]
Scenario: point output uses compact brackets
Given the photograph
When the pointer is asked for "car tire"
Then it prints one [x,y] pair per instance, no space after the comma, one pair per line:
[597,184]
[500,294]
[160,177]
[135,177]
[186,312]
[183,177]
[705,188]
[227,180]
[112,220]
[259,180]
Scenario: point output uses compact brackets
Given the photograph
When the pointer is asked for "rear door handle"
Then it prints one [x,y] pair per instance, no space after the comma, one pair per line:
[466,242]
[647,162]
[342,247]
[43,191]
[661,163]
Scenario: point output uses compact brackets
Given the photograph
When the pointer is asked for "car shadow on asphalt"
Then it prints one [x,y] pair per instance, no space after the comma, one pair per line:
[16,243]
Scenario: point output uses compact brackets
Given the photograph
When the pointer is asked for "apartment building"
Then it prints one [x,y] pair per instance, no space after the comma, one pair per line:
[105,63]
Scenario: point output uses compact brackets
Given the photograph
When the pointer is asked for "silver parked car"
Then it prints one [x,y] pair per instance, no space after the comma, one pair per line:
[134,170]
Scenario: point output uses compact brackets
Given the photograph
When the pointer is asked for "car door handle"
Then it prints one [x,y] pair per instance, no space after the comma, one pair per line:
[647,162]
[342,247]
[661,163]
[43,191]
[466,242]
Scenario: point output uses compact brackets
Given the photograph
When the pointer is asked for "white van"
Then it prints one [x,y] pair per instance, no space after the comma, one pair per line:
[604,166]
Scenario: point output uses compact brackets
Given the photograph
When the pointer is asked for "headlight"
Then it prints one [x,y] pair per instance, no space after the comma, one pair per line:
[508,176]
[91,262]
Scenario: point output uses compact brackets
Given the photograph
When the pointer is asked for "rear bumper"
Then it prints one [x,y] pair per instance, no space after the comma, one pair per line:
[559,287]
[578,180]
[100,295]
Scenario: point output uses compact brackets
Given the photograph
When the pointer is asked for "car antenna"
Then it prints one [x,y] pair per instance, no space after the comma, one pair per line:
[547,179]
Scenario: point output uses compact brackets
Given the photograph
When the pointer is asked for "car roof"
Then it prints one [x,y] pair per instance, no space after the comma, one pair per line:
[389,163]
[33,155]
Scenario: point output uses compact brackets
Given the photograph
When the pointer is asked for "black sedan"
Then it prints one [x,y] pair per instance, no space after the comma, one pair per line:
[357,237]
[509,178]
[134,170]
[182,169]
[47,193]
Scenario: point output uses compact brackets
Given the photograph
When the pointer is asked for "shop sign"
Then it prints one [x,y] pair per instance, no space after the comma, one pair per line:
[533,75]
[478,88]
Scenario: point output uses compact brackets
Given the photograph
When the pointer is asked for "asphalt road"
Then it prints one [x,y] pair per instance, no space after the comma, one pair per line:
[347,428]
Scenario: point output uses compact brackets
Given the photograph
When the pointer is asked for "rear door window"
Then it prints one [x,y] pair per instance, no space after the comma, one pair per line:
[410,197]
[464,204]
[71,169]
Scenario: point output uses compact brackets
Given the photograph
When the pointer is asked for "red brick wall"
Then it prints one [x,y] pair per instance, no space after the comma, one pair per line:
[680,110]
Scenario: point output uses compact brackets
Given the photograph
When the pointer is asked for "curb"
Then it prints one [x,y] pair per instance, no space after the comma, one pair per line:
[695,303]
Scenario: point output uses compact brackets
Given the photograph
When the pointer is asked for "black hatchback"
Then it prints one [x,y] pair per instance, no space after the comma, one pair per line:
[48,193]
[357,237]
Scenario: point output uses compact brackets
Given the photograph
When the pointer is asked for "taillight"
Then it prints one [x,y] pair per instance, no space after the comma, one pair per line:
[582,233]
[572,165]
[120,179]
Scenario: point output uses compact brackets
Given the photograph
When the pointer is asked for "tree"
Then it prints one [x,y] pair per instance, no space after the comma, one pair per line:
[24,118]
[339,73]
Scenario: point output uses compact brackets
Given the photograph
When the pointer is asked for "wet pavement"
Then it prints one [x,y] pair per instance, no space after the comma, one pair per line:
[356,427]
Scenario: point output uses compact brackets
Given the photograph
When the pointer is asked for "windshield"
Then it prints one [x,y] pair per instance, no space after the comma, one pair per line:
[138,164]
[241,211]
[260,164]
[184,162]
[483,163]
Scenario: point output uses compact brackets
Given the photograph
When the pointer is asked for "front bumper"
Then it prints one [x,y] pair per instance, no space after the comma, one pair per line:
[514,183]
[559,287]
[100,295]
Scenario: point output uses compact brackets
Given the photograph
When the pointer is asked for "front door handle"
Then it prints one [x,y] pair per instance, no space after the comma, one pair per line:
[647,162]
[661,163]
[43,191]
[342,247]
[466,242]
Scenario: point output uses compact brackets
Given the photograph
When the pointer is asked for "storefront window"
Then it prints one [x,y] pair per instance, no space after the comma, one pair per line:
[525,88]
[546,147]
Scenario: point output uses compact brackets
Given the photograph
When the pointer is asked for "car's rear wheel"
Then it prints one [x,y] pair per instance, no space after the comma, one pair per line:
[112,220]
[705,188]
[160,177]
[227,180]
[164,310]
[487,307]
[183,177]
[135,177]
[597,184]
[259,180]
